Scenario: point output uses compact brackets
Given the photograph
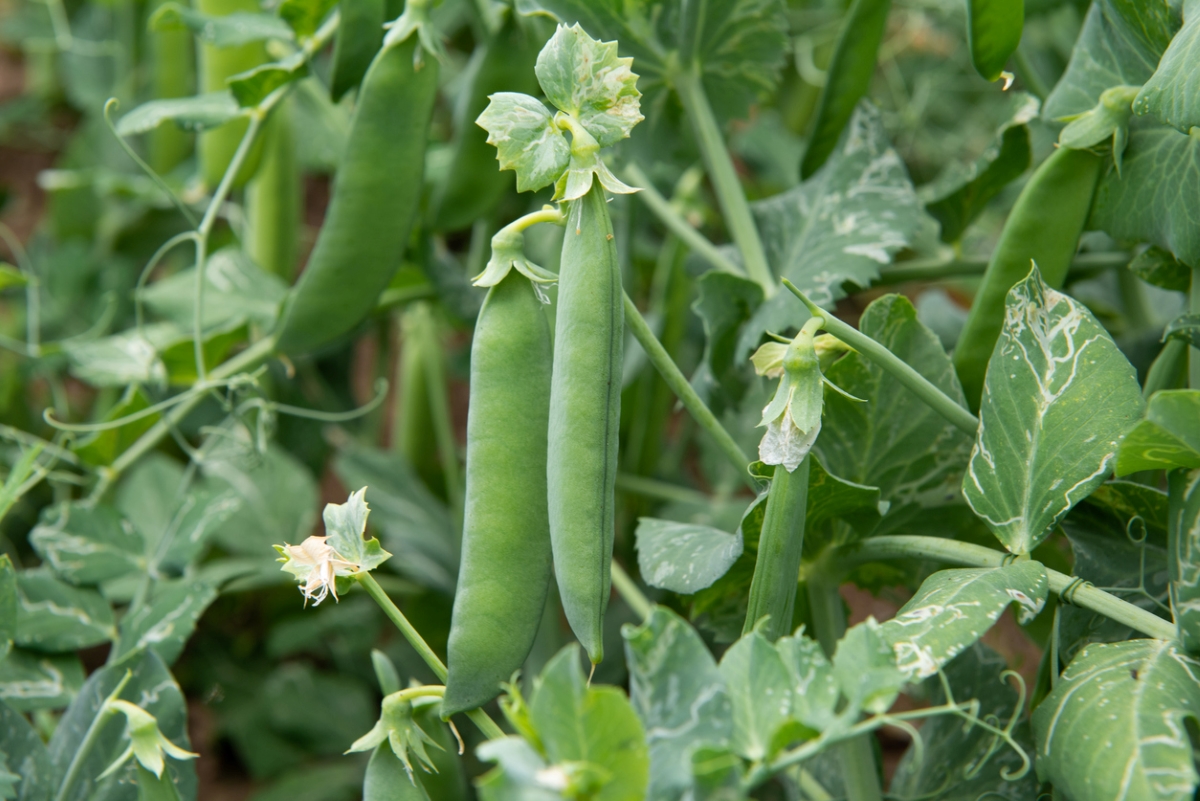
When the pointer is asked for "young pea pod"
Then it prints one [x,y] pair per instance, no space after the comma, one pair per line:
[359,35]
[780,546]
[1044,227]
[218,65]
[585,409]
[375,196]
[504,574]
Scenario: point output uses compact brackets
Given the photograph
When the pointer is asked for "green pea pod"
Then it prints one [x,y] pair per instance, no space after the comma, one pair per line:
[172,74]
[1044,227]
[777,569]
[273,198]
[375,196]
[474,185]
[585,409]
[505,569]
[359,35]
[387,780]
[218,65]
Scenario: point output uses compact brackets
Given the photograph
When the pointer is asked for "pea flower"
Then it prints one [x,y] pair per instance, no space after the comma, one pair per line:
[316,566]
[146,742]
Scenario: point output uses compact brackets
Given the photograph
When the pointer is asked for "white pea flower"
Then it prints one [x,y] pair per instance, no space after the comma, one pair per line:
[316,566]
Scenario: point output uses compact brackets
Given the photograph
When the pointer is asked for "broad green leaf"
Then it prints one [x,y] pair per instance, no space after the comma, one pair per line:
[10,276]
[960,194]
[229,30]
[8,604]
[1055,373]
[1173,92]
[252,87]
[305,16]
[814,688]
[409,519]
[277,493]
[1160,268]
[586,79]
[1114,726]
[1118,538]
[678,694]
[865,668]
[53,616]
[155,788]
[520,774]
[26,756]
[959,764]
[847,79]
[993,33]
[832,498]
[8,779]
[1185,327]
[164,624]
[527,140]
[189,113]
[594,724]
[345,525]
[841,225]
[894,441]
[103,447]
[717,775]
[87,544]
[1166,437]
[1184,549]
[760,689]
[131,357]
[683,557]
[388,780]
[1155,196]
[954,608]
[199,515]
[236,290]
[724,302]
[30,681]
[153,689]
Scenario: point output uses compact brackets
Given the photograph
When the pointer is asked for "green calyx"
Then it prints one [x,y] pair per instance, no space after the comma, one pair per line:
[1108,119]
[398,726]
[508,252]
[146,743]
[597,101]
[415,19]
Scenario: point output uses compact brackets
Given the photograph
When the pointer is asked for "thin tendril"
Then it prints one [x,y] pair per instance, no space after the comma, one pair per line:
[109,425]
[159,255]
[33,323]
[381,386]
[113,103]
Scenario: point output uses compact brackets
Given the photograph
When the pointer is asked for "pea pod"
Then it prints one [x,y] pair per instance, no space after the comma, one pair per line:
[1044,226]
[780,545]
[375,196]
[217,65]
[359,35]
[585,406]
[504,573]
[273,198]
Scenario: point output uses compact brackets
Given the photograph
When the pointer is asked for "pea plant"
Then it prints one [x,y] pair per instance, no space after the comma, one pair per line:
[632,347]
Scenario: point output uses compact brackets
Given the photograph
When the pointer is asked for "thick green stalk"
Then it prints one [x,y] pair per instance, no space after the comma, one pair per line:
[660,490]
[1084,265]
[724,178]
[368,582]
[963,553]
[678,383]
[939,401]
[630,592]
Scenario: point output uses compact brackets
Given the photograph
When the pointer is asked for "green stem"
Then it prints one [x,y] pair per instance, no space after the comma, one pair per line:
[691,401]
[1085,265]
[937,400]
[673,220]
[857,755]
[443,426]
[724,178]
[660,490]
[1194,308]
[477,716]
[964,553]
[1165,371]
[780,545]
[630,592]
[1028,74]
[103,714]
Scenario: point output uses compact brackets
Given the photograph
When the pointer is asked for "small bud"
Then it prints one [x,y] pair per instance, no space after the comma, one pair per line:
[146,742]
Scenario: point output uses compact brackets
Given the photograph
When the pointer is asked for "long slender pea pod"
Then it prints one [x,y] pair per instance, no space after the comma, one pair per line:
[172,74]
[1043,227]
[375,196]
[777,569]
[359,35]
[585,406]
[217,65]
[505,569]
[273,198]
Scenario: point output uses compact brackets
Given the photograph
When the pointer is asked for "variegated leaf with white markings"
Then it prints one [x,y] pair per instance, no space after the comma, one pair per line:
[954,608]
[1183,538]
[1115,726]
[1057,398]
[31,681]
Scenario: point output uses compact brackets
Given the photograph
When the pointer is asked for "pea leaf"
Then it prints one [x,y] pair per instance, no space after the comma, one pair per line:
[954,608]
[165,623]
[229,30]
[55,617]
[593,724]
[847,79]
[678,694]
[8,604]
[993,33]
[724,302]
[1054,373]
[305,16]
[717,775]
[865,668]
[1173,92]
[683,557]
[518,772]
[1160,268]
[959,195]
[87,544]
[345,525]
[252,87]
[814,688]
[25,753]
[1185,327]
[586,79]
[30,681]
[1183,489]
[197,113]
[839,226]
[526,139]
[131,357]
[387,778]
[1139,694]
[1166,437]
[10,276]
[760,690]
